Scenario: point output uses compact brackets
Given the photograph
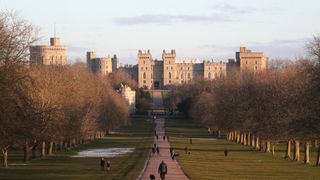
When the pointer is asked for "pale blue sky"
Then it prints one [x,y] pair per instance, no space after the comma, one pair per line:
[202,29]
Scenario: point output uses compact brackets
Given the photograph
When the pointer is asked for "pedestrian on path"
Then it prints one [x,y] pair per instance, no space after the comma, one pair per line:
[173,155]
[154,145]
[164,138]
[171,149]
[225,152]
[108,165]
[102,164]
[190,140]
[153,150]
[162,170]
[186,149]
[157,137]
[168,138]
[152,177]
[158,150]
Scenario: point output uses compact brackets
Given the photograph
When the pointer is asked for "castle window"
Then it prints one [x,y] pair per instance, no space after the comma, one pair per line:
[151,75]
[256,62]
[141,68]
[182,76]
[167,68]
[209,75]
[144,81]
[144,75]
[171,68]
[256,68]
[246,62]
[181,68]
[169,62]
[169,81]
[188,68]
[144,62]
[169,75]
[189,75]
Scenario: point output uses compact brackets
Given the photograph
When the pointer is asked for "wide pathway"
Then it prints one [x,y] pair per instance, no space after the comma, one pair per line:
[174,170]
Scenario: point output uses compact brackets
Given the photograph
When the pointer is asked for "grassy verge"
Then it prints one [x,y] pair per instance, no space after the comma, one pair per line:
[61,165]
[207,161]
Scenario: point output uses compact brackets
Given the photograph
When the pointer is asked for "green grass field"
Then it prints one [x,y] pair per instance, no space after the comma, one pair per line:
[207,161]
[62,166]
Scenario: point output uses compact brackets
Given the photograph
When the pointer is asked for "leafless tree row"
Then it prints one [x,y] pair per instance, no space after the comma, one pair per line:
[49,108]
[260,110]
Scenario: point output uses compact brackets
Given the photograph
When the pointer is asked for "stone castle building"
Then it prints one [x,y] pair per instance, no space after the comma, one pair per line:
[129,95]
[53,54]
[154,74]
[101,66]
[251,61]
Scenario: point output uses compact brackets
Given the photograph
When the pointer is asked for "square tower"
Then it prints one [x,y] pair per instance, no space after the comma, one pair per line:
[169,67]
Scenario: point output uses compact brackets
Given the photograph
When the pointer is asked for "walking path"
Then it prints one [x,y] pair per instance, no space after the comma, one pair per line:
[174,170]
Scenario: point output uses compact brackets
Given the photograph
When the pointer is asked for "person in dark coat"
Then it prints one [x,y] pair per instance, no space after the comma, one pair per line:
[102,164]
[225,152]
[152,177]
[108,165]
[153,150]
[162,170]
[171,149]
[158,150]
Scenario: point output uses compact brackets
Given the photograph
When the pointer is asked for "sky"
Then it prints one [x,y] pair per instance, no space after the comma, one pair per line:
[196,29]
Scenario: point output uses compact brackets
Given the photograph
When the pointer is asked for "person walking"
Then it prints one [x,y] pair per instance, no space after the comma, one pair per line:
[186,149]
[108,165]
[162,170]
[164,138]
[153,150]
[158,150]
[173,155]
[171,149]
[102,164]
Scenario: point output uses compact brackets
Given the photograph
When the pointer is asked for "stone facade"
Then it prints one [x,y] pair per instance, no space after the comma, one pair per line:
[156,74]
[101,66]
[129,95]
[53,54]
[251,61]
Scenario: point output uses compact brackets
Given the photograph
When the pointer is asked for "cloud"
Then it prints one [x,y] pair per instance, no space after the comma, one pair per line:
[219,13]
[169,19]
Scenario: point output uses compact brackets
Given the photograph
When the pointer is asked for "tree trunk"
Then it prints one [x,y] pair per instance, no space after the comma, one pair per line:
[244,138]
[249,139]
[60,145]
[268,145]
[257,143]
[50,148]
[238,137]
[307,153]
[241,138]
[4,157]
[219,133]
[318,157]
[34,151]
[26,150]
[43,150]
[296,150]
[273,147]
[288,153]
[253,140]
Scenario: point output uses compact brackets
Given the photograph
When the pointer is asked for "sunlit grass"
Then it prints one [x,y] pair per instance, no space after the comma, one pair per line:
[207,161]
[61,165]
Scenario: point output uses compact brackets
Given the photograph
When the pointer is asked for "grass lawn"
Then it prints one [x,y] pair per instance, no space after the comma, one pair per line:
[61,165]
[207,161]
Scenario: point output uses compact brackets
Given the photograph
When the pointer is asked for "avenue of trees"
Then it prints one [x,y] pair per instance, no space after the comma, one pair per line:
[261,110]
[50,108]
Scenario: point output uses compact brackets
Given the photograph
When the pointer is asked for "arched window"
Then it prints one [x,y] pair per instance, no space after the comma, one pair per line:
[144,75]
[169,75]
[209,75]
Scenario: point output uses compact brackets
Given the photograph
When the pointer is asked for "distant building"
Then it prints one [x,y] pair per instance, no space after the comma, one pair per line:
[101,66]
[251,61]
[129,95]
[53,54]
[154,74]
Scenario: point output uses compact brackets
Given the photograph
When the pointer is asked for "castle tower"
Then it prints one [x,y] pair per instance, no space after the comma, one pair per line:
[251,61]
[169,61]
[90,56]
[145,69]
[115,62]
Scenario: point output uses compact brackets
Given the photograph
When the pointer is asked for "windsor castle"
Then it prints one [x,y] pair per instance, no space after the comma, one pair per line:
[152,73]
